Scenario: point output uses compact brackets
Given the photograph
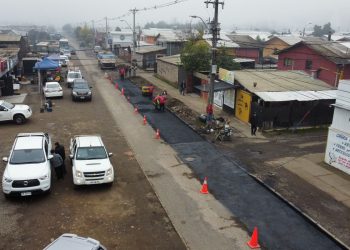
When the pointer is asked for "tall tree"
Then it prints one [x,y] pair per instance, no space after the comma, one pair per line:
[320,31]
[226,61]
[195,56]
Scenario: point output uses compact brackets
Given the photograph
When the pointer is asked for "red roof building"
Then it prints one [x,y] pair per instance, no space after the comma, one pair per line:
[324,60]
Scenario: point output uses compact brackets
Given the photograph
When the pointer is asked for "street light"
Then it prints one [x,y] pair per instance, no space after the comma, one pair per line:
[305,28]
[122,20]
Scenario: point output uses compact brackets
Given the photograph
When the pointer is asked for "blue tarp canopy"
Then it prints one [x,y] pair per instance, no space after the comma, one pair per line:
[46,64]
[54,57]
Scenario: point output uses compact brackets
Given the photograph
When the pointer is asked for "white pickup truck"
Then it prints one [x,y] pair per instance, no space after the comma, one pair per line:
[11,112]
[90,161]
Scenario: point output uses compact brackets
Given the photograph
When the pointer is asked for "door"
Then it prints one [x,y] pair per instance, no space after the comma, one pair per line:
[243,104]
[5,114]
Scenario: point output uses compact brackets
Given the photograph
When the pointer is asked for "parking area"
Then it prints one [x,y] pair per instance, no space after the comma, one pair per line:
[127,215]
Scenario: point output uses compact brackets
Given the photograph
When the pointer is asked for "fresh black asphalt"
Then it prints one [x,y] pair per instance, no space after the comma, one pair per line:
[280,227]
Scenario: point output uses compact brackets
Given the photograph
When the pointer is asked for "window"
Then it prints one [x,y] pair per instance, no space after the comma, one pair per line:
[288,62]
[308,64]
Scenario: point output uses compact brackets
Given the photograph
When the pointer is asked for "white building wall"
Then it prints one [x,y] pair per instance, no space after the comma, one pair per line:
[338,142]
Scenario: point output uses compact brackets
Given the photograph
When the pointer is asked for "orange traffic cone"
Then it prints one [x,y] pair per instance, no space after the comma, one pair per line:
[157,134]
[136,110]
[204,189]
[122,93]
[116,86]
[144,120]
[253,243]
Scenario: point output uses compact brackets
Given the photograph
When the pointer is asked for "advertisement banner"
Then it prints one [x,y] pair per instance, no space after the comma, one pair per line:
[229,98]
[338,150]
[243,102]
[218,98]
[226,76]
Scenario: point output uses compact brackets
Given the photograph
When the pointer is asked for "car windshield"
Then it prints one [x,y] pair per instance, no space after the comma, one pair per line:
[27,156]
[107,56]
[80,86]
[52,86]
[8,105]
[90,153]
[74,75]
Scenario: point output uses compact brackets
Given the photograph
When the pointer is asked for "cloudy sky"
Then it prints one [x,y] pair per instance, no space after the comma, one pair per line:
[242,14]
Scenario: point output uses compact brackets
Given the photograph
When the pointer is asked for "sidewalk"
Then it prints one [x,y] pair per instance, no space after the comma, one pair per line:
[309,167]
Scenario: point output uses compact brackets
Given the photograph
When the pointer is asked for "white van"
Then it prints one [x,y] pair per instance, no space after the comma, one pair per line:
[90,161]
[28,169]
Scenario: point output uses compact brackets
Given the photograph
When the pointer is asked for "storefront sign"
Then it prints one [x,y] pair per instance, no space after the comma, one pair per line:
[338,150]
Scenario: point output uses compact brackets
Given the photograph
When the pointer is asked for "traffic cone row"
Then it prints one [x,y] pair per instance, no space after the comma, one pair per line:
[122,92]
[144,120]
[136,110]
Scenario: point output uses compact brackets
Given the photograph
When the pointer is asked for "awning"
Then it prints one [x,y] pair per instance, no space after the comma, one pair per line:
[46,64]
[218,86]
[300,96]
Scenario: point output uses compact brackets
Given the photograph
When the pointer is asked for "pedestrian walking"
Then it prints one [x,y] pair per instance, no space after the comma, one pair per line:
[253,123]
[57,163]
[59,149]
[182,87]
[48,105]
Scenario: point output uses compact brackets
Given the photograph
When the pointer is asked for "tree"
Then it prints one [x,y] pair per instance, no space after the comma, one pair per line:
[195,56]
[321,31]
[226,61]
[118,29]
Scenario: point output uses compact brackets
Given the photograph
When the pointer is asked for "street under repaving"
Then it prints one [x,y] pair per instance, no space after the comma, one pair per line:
[155,202]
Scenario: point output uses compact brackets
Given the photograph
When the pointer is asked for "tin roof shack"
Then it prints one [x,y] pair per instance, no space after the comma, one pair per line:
[11,41]
[8,64]
[171,69]
[283,98]
[146,57]
[327,61]
[338,142]
[247,47]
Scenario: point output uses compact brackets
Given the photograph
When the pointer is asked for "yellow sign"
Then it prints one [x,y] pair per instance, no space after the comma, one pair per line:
[243,102]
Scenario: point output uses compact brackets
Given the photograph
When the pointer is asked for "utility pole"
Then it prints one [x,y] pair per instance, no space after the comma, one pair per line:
[106,26]
[93,28]
[215,31]
[133,11]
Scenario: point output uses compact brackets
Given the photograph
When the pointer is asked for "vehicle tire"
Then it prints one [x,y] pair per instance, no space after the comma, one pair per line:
[73,99]
[90,99]
[7,196]
[19,119]
[110,184]
[76,187]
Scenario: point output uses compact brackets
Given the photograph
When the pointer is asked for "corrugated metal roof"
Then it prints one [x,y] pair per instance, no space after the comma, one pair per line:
[290,40]
[174,59]
[148,49]
[9,38]
[244,41]
[301,96]
[224,41]
[278,81]
[333,51]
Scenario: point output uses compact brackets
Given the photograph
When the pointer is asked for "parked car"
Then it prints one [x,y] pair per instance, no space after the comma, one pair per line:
[28,169]
[53,89]
[72,75]
[73,241]
[66,52]
[97,49]
[81,90]
[18,113]
[90,161]
[63,61]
